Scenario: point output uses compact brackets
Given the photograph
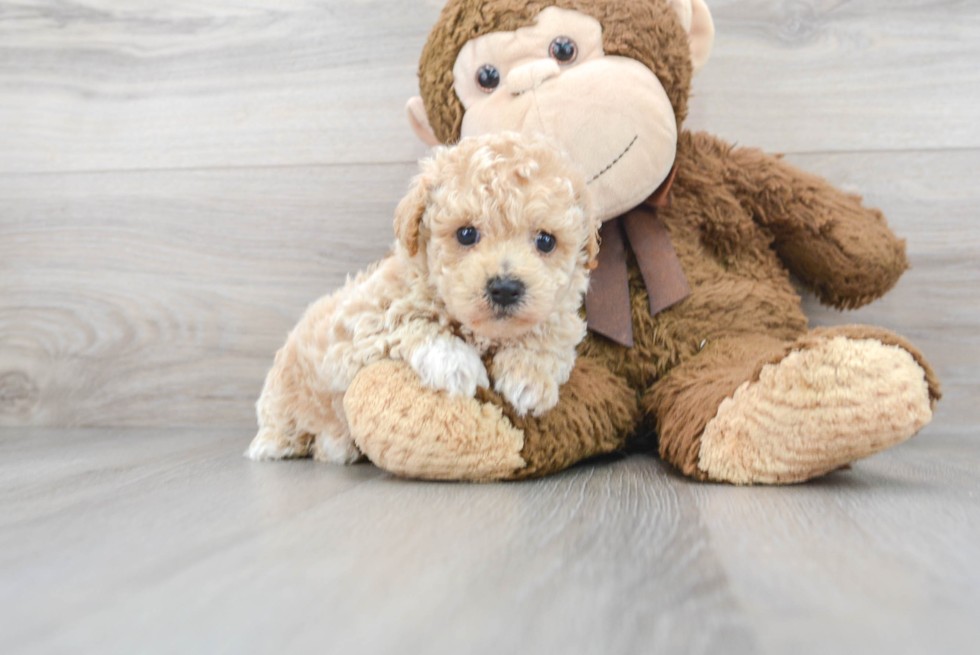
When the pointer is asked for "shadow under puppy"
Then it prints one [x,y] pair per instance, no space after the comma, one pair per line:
[494,244]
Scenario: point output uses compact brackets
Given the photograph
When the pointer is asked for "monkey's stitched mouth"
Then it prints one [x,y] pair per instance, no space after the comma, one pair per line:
[614,161]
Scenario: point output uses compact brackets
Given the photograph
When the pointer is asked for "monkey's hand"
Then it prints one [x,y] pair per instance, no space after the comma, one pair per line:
[841,250]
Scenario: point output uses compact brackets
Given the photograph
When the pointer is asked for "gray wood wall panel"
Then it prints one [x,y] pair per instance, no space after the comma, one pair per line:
[832,75]
[178,181]
[106,85]
[159,298]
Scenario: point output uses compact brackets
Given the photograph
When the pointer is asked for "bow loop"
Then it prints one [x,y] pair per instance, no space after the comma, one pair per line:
[607,304]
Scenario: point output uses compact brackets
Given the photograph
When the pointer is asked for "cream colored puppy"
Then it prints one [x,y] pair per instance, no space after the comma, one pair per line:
[494,244]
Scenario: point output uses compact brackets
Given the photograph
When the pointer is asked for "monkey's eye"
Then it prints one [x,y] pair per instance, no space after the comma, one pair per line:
[545,242]
[488,78]
[468,235]
[564,50]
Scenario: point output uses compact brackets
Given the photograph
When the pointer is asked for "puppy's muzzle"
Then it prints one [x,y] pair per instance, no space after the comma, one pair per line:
[504,292]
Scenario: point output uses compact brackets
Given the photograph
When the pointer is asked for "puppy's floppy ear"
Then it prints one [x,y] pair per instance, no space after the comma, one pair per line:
[408,214]
[584,200]
[592,246]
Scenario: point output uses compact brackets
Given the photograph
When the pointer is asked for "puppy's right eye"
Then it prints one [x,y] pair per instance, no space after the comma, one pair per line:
[467,236]
[545,242]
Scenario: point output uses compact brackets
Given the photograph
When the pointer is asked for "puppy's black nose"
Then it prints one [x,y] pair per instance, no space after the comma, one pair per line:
[505,291]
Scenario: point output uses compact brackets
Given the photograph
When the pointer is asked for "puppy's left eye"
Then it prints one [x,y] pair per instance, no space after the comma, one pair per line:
[467,236]
[545,242]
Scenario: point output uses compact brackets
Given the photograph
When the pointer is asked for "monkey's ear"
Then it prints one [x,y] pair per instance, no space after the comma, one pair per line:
[696,19]
[702,34]
[408,214]
[419,121]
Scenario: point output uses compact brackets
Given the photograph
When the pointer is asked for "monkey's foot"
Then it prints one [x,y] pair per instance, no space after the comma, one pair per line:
[819,408]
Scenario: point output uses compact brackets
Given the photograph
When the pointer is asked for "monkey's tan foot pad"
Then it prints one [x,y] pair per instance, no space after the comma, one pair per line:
[816,410]
[415,432]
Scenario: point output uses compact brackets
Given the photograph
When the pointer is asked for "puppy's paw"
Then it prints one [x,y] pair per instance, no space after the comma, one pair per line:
[336,450]
[451,365]
[271,445]
[527,390]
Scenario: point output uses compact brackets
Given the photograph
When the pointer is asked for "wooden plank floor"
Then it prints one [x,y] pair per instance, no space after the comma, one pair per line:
[168,541]
[179,179]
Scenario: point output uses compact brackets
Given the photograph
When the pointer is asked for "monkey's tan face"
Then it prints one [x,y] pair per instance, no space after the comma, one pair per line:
[610,114]
[507,242]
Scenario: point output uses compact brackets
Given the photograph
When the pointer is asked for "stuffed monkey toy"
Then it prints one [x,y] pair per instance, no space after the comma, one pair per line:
[696,331]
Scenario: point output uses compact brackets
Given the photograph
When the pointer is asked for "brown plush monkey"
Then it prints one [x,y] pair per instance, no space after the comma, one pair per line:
[697,331]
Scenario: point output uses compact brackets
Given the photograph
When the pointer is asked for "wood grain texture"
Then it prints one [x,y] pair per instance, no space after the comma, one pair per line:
[168,541]
[179,179]
[183,544]
[880,559]
[103,85]
[159,298]
[833,76]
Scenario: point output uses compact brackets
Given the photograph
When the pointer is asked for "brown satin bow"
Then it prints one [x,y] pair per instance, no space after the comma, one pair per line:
[607,305]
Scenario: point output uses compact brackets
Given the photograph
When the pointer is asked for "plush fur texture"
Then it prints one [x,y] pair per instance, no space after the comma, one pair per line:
[685,401]
[402,427]
[430,303]
[408,430]
[645,30]
[624,160]
[834,401]
[743,313]
[703,373]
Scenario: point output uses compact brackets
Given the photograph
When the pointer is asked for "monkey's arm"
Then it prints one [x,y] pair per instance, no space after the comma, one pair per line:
[412,431]
[841,250]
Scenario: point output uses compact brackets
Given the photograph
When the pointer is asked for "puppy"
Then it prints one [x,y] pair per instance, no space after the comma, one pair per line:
[494,244]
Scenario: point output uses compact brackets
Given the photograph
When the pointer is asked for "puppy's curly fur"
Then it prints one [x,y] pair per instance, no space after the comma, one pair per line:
[444,305]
